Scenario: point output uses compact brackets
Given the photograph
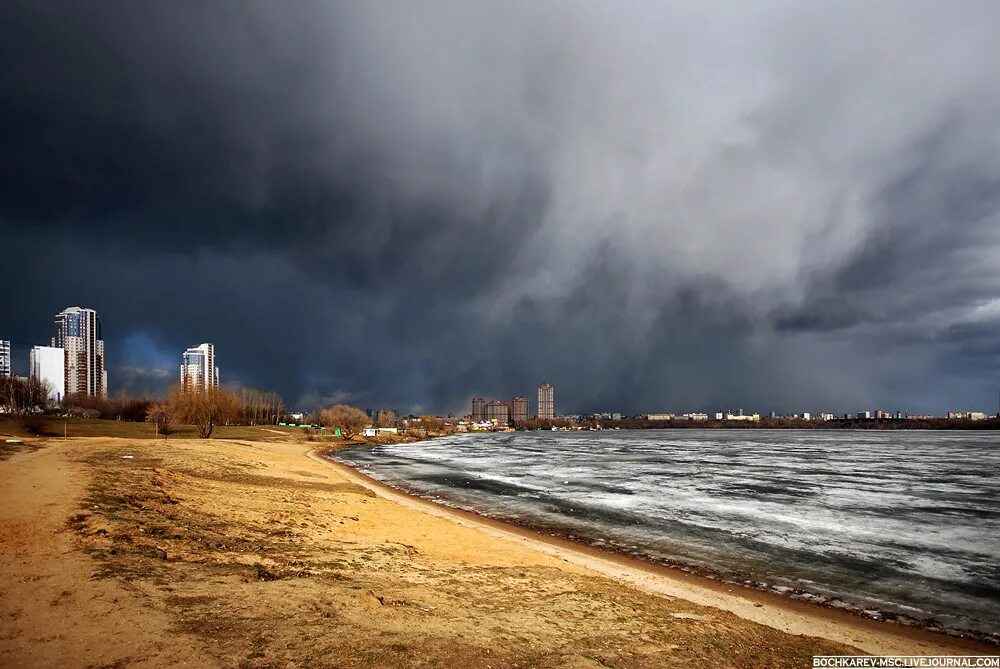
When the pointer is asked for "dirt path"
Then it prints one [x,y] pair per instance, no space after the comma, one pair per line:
[53,613]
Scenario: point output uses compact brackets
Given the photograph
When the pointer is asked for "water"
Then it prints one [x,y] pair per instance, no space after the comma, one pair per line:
[905,525]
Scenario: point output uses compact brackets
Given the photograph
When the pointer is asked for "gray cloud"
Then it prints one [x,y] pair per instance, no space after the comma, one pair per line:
[782,205]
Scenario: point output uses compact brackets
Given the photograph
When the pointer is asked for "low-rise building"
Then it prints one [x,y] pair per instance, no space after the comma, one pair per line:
[966,415]
[660,416]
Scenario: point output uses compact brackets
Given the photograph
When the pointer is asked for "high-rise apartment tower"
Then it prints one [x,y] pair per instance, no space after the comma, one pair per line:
[546,401]
[498,411]
[198,370]
[5,369]
[518,409]
[78,332]
[478,409]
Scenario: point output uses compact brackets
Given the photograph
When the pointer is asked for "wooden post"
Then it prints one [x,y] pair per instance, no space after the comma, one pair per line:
[65,431]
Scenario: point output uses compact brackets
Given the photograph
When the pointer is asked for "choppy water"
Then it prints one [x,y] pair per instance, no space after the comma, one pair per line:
[905,522]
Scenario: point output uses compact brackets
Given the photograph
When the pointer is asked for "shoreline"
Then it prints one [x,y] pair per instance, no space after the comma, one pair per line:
[774,609]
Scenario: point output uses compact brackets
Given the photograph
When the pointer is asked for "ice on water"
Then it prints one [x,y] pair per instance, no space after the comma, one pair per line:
[906,521]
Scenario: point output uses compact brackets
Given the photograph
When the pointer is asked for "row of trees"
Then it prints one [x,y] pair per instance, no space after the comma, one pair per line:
[206,409]
[33,396]
[22,396]
[246,406]
[351,421]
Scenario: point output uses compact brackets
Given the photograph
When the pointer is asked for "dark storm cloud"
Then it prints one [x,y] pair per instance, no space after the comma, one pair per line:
[654,207]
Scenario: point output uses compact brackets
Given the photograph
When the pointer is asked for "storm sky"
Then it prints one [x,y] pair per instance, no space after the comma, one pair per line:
[655,206]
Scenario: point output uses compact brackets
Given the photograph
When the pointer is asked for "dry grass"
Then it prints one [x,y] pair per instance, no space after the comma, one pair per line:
[53,426]
[7,450]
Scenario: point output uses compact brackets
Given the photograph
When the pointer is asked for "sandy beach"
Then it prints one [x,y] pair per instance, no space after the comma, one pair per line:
[121,552]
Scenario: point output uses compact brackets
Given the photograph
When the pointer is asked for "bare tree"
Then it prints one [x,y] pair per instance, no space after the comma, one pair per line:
[259,407]
[159,415]
[431,423]
[350,420]
[24,396]
[204,409]
[386,419]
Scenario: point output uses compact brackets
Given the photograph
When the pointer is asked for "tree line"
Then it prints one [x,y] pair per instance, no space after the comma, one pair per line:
[205,409]
[29,397]
[208,408]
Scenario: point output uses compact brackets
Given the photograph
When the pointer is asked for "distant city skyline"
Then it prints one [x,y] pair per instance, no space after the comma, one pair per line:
[75,318]
[503,412]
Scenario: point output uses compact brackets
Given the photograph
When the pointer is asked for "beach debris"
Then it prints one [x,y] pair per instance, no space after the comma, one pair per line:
[688,616]
[128,457]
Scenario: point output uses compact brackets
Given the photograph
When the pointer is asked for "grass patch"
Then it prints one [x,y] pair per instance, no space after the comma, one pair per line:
[9,450]
[54,426]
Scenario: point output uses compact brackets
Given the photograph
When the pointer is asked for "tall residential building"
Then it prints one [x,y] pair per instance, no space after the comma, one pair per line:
[48,364]
[518,409]
[198,370]
[478,409]
[78,332]
[5,358]
[499,411]
[546,401]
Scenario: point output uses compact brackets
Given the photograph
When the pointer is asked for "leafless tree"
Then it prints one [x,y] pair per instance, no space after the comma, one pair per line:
[349,419]
[431,423]
[204,409]
[386,419]
[24,396]
[159,415]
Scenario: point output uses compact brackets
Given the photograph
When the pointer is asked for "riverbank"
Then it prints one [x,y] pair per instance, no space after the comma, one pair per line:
[247,553]
[761,606]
